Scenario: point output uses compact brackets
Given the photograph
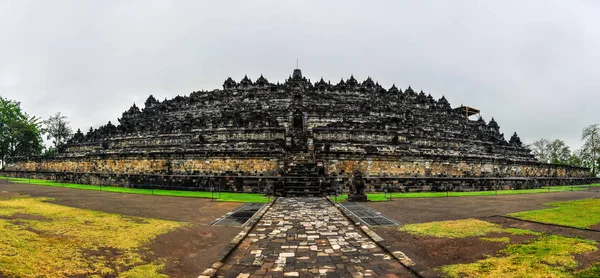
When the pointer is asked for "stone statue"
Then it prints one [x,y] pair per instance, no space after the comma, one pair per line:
[358,188]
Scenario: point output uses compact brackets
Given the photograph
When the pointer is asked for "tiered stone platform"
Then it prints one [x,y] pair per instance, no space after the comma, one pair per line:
[299,137]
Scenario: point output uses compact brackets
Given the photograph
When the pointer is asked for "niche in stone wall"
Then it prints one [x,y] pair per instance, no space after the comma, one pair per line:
[298,119]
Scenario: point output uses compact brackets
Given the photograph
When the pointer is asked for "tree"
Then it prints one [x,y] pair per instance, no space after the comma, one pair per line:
[57,127]
[558,152]
[19,133]
[591,146]
[575,159]
[539,149]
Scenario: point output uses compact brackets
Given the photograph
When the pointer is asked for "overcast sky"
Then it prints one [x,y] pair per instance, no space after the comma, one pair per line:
[532,65]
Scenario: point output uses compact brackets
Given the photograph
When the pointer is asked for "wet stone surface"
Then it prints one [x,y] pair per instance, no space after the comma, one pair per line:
[307,237]
[367,215]
[240,216]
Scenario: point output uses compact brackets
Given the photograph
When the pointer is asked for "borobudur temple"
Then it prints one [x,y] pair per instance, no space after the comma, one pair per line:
[299,138]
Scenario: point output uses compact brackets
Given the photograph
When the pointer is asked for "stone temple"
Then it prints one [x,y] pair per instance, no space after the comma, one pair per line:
[299,138]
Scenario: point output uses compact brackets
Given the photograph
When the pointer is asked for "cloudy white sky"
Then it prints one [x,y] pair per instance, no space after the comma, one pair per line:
[532,65]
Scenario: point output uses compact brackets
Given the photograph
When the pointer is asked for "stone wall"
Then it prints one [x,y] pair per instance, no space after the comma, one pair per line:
[370,167]
[450,168]
[265,184]
[143,165]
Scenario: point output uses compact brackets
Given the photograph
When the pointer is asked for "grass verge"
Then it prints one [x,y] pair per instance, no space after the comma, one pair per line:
[223,196]
[44,239]
[460,229]
[579,213]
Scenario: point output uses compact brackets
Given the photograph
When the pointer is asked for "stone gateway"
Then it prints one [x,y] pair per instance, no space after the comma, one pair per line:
[299,138]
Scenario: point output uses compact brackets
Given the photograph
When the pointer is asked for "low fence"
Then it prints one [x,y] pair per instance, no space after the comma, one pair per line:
[267,184]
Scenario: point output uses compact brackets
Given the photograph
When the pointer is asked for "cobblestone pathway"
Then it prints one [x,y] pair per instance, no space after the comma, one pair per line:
[308,237]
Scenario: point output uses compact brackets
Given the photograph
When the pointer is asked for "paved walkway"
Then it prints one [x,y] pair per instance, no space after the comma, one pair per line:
[308,237]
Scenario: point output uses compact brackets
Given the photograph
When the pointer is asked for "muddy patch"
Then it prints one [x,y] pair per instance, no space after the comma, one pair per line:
[5,195]
[19,217]
[587,259]
[544,228]
[430,253]
[188,251]
[109,255]
[136,220]
[595,227]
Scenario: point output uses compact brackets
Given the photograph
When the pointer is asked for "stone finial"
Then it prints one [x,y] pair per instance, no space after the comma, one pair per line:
[368,83]
[494,125]
[229,83]
[262,81]
[297,74]
[409,90]
[246,81]
[481,120]
[352,81]
[443,102]
[133,109]
[321,84]
[515,140]
[394,90]
[77,137]
[150,102]
[340,85]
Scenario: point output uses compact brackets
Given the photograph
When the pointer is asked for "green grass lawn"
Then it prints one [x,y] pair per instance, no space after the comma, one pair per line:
[379,197]
[461,228]
[544,255]
[223,196]
[579,213]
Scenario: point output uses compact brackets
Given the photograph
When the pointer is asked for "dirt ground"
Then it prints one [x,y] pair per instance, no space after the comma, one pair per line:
[190,250]
[420,210]
[429,253]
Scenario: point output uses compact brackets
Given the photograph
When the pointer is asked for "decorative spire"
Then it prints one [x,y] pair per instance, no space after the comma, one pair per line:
[297,75]
[261,81]
[368,83]
[352,81]
[150,102]
[515,140]
[321,83]
[229,83]
[246,81]
[443,102]
[393,89]
[494,125]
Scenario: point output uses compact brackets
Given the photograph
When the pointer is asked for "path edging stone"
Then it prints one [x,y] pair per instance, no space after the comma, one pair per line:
[235,242]
[398,255]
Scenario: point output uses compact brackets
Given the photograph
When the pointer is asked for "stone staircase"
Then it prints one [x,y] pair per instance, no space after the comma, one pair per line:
[301,176]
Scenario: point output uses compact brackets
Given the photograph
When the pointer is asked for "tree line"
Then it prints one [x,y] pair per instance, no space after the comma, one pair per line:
[21,134]
[557,152]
